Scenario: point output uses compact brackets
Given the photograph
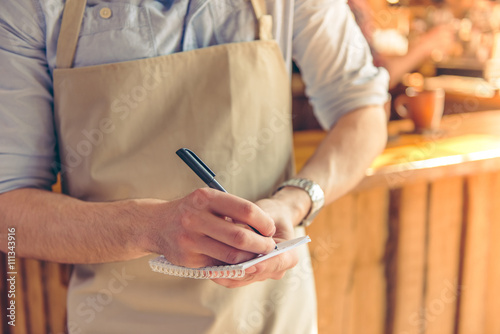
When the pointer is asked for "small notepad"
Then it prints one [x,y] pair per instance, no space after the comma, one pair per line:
[161,265]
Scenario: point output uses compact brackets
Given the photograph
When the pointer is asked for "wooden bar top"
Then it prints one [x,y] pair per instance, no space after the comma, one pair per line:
[466,143]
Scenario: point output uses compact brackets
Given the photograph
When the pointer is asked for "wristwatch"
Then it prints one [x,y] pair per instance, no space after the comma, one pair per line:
[315,193]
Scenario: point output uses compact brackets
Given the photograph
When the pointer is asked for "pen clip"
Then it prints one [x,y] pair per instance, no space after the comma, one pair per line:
[196,164]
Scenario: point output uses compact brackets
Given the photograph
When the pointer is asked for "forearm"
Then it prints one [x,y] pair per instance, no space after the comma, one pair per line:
[341,160]
[190,231]
[59,228]
[349,148]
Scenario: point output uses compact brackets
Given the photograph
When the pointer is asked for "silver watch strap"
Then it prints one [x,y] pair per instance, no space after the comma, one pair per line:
[315,193]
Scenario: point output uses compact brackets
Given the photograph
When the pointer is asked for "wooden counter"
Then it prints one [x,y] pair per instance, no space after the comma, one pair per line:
[413,249]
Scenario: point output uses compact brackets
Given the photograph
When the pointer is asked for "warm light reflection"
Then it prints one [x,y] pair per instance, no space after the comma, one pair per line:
[415,80]
[435,162]
[439,153]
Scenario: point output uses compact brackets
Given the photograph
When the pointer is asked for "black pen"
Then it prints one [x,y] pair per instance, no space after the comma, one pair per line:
[202,170]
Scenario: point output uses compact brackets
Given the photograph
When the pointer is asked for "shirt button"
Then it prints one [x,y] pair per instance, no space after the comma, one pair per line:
[105,13]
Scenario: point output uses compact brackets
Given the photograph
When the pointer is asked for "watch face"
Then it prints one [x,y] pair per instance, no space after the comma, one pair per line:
[315,193]
[317,196]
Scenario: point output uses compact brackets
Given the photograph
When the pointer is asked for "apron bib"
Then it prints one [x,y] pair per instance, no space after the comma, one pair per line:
[118,127]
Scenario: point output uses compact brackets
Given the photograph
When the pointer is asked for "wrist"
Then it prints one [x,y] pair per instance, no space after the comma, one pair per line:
[297,200]
[140,217]
[314,192]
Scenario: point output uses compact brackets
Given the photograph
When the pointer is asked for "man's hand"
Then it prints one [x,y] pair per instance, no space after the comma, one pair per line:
[194,231]
[286,208]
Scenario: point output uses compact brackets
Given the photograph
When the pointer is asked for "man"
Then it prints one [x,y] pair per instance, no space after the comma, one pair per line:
[118,87]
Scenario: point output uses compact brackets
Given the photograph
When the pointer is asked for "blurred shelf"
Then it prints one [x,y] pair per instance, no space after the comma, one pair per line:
[466,143]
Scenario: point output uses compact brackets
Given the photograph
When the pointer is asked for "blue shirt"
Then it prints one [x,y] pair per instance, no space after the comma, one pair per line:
[321,36]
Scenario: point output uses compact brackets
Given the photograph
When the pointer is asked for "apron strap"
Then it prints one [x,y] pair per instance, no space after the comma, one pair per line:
[265,21]
[73,16]
[70,30]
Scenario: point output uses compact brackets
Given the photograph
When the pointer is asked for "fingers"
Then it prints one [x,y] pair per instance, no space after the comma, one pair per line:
[237,208]
[210,237]
[274,268]
[220,252]
[194,231]
[229,233]
[196,251]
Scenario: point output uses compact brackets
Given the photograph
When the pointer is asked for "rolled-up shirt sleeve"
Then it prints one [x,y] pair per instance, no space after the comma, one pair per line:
[335,61]
[27,137]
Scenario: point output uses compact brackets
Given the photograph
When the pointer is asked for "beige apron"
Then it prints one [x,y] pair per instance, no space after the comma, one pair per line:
[119,126]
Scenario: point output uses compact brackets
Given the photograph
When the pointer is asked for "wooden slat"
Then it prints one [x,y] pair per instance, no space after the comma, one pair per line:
[443,256]
[475,255]
[492,307]
[21,302]
[368,307]
[55,294]
[332,251]
[410,259]
[35,296]
[391,258]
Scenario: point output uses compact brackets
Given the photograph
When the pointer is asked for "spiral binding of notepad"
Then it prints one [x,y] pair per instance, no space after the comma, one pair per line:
[161,265]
